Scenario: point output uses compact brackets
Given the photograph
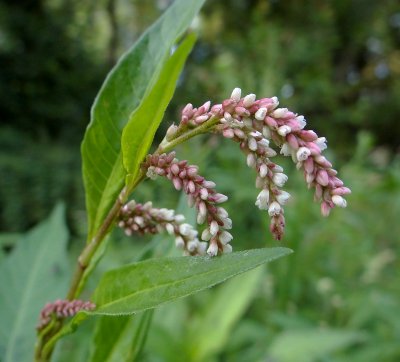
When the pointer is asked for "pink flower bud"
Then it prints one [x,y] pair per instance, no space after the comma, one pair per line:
[309,165]
[308,136]
[341,191]
[270,122]
[322,178]
[325,209]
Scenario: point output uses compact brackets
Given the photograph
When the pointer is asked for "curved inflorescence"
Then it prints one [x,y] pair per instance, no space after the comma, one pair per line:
[255,124]
[201,194]
[62,309]
[146,219]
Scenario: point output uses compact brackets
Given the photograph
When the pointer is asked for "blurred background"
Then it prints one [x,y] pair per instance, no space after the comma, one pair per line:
[337,298]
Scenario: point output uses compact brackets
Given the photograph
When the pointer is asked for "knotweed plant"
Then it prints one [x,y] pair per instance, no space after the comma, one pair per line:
[116,159]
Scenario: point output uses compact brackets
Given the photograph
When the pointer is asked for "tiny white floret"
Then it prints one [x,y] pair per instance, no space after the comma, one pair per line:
[274,209]
[260,114]
[236,94]
[339,201]
[303,153]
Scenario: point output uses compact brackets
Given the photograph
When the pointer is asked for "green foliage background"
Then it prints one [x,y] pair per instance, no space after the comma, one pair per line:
[338,63]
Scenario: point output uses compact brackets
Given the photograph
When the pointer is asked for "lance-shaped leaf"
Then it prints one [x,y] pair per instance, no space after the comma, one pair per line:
[127,85]
[34,273]
[144,121]
[147,284]
[119,339]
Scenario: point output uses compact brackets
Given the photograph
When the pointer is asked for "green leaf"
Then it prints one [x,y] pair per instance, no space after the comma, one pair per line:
[147,284]
[307,345]
[33,274]
[224,309]
[127,85]
[144,121]
[120,338]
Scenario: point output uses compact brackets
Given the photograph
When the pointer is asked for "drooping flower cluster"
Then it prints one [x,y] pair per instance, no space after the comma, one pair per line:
[201,194]
[62,309]
[145,219]
[254,124]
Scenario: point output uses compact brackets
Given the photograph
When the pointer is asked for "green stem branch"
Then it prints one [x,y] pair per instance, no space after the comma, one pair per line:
[90,249]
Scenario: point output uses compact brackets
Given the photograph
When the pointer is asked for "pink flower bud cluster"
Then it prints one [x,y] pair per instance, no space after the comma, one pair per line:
[201,194]
[62,309]
[145,219]
[254,123]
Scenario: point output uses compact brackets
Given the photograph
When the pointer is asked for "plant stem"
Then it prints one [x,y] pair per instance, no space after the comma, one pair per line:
[90,249]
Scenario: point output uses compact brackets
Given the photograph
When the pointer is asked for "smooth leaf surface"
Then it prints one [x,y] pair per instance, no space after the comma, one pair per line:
[33,274]
[138,134]
[227,305]
[147,284]
[126,86]
[119,339]
[305,345]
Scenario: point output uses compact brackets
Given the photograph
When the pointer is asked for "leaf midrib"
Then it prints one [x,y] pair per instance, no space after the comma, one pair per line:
[207,272]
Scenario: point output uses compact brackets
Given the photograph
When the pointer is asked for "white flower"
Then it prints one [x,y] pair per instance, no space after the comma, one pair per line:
[214,227]
[249,100]
[185,229]
[263,199]
[274,209]
[248,122]
[225,237]
[286,150]
[284,130]
[279,112]
[206,235]
[263,170]
[192,245]
[251,160]
[301,121]
[266,132]
[275,102]
[236,94]
[221,212]
[303,153]
[139,220]
[321,143]
[151,173]
[227,249]
[260,114]
[203,194]
[212,249]
[179,242]
[252,144]
[279,179]
[220,198]
[339,201]
[131,205]
[179,218]
[263,142]
[170,229]
[283,197]
[227,223]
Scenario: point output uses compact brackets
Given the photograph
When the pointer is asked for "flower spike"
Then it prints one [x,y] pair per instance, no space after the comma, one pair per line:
[201,194]
[256,123]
